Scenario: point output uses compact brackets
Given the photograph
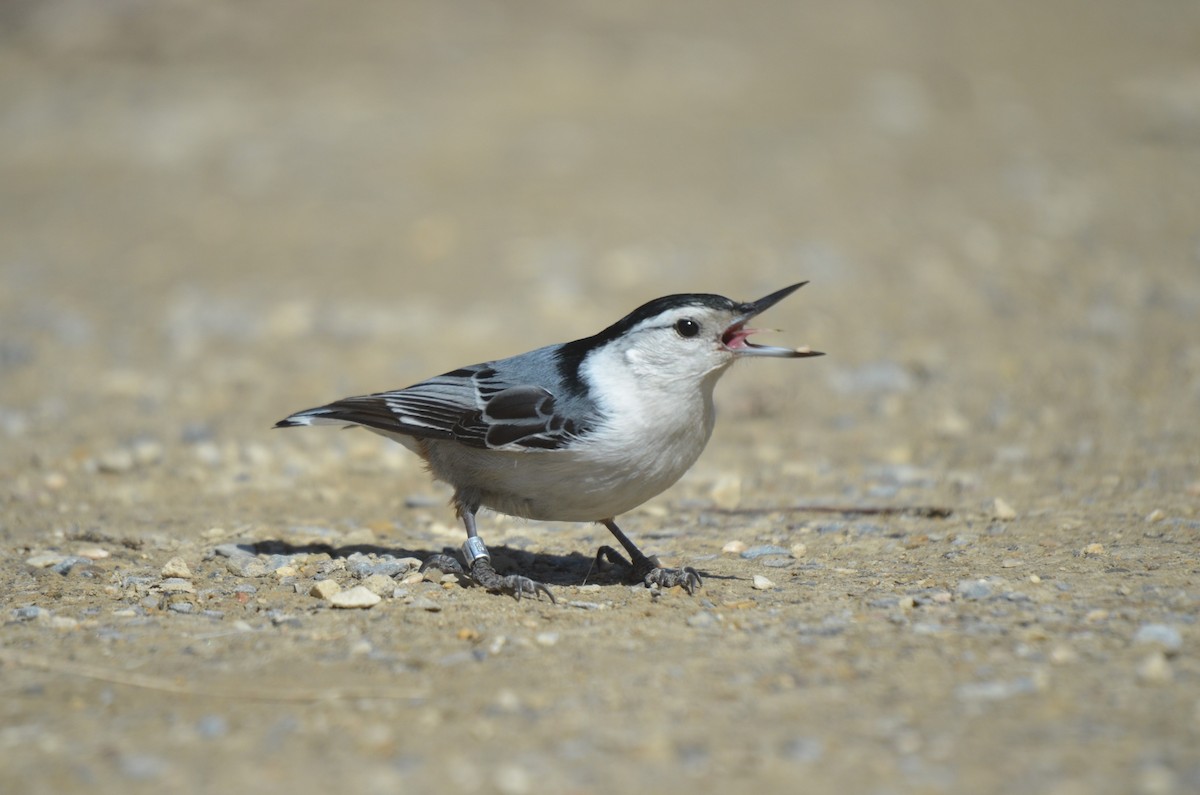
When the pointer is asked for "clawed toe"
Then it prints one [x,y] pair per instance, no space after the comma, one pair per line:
[685,577]
[514,584]
[443,563]
[520,586]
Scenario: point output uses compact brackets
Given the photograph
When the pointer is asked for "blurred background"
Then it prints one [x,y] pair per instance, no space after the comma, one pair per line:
[235,210]
[215,213]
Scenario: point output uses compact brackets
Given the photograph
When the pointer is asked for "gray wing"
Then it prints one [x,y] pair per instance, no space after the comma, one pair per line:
[474,406]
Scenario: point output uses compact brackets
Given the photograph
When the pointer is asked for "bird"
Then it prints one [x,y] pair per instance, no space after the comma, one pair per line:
[581,431]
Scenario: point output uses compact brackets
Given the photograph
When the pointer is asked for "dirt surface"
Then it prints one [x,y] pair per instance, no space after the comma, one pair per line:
[213,214]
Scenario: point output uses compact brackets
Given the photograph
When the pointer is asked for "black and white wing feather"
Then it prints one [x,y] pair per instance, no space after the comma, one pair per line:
[474,406]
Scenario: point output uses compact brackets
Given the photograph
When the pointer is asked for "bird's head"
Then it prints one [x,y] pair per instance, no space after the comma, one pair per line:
[690,336]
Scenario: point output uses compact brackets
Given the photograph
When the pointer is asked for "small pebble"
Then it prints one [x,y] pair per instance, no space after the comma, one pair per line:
[1155,669]
[1157,515]
[358,596]
[232,551]
[65,565]
[379,584]
[996,690]
[726,493]
[176,585]
[1167,638]
[425,603]
[799,550]
[142,767]
[176,567]
[211,727]
[1002,510]
[146,452]
[804,749]
[1093,550]
[115,462]
[764,550]
[30,612]
[181,607]
[734,548]
[1063,655]
[1010,563]
[762,583]
[325,589]
[546,638]
[973,590]
[94,553]
[44,560]
[246,567]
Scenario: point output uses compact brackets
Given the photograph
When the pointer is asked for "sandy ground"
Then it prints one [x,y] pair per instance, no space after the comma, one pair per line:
[213,214]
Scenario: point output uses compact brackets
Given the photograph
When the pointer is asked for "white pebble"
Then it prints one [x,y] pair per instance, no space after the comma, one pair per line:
[762,583]
[727,492]
[1002,510]
[325,589]
[44,560]
[1166,637]
[734,547]
[116,461]
[380,584]
[357,596]
[1154,669]
[546,638]
[425,603]
[176,567]
[146,452]
[93,553]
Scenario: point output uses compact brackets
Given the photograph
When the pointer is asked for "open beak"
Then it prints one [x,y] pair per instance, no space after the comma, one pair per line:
[737,337]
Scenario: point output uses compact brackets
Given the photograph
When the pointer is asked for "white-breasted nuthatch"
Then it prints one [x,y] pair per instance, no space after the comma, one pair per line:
[578,432]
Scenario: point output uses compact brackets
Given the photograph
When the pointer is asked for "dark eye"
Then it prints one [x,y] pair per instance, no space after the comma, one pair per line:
[687,327]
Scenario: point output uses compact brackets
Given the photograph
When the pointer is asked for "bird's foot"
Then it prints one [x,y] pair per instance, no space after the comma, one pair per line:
[649,571]
[515,584]
[482,572]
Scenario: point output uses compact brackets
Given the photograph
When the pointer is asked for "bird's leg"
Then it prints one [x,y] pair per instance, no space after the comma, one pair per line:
[646,569]
[479,562]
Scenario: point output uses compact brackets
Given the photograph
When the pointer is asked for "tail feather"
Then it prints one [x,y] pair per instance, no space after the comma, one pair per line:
[368,411]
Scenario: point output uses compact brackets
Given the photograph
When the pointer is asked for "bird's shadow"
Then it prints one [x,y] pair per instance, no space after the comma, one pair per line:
[574,568]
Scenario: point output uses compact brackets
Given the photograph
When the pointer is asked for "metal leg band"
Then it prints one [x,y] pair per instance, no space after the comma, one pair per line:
[473,549]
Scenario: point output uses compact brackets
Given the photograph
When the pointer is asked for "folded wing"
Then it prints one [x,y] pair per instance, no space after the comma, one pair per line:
[473,406]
